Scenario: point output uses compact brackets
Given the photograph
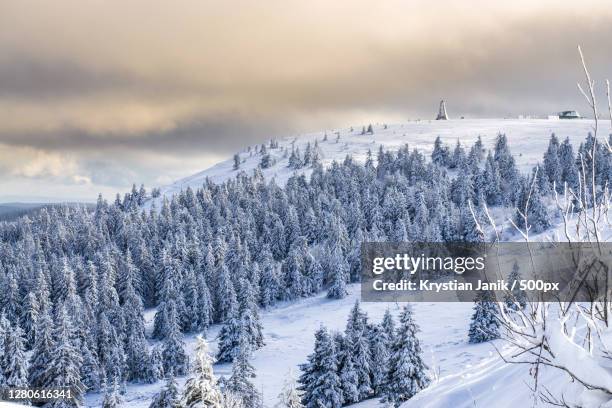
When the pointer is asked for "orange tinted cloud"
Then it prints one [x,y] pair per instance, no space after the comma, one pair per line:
[203,78]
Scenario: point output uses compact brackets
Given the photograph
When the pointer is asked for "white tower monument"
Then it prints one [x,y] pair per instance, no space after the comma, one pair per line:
[442,115]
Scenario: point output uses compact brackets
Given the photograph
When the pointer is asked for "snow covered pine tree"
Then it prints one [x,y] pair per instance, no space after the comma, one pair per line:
[407,373]
[484,325]
[202,390]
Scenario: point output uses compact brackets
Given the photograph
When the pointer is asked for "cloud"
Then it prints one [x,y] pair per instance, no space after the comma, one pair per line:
[172,89]
[33,163]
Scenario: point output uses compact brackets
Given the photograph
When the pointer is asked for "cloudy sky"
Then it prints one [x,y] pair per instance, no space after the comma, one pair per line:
[97,94]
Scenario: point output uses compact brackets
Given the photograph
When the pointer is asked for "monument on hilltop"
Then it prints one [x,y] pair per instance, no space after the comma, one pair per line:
[442,115]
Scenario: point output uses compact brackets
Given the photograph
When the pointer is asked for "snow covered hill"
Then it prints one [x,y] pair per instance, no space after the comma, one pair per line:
[528,139]
[467,373]
[289,336]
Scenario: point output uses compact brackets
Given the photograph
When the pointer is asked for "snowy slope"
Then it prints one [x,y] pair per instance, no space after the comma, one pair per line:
[491,383]
[467,372]
[527,137]
[289,336]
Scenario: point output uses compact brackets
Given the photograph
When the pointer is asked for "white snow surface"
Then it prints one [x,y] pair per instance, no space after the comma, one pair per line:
[528,139]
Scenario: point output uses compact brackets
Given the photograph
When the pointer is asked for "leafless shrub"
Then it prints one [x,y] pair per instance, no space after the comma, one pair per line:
[572,337]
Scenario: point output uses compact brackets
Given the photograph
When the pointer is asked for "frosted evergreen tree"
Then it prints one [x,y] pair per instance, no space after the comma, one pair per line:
[148,270]
[42,294]
[136,350]
[502,154]
[539,215]
[315,155]
[509,176]
[517,298]
[68,296]
[277,243]
[108,299]
[407,372]
[227,304]
[289,396]
[545,188]
[358,350]
[266,161]
[567,161]
[168,397]
[337,289]
[354,257]
[66,359]
[292,273]
[308,154]
[462,189]
[270,281]
[530,204]
[602,160]
[237,161]
[295,160]
[319,380]
[128,277]
[489,184]
[4,325]
[369,163]
[230,336]
[346,369]
[231,401]
[190,321]
[29,318]
[90,369]
[13,364]
[384,160]
[293,233]
[348,379]
[205,308]
[380,350]
[169,296]
[552,167]
[9,304]
[468,229]
[40,372]
[458,158]
[476,152]
[440,154]
[156,364]
[421,218]
[110,349]
[112,399]
[249,316]
[239,383]
[484,325]
[174,358]
[388,327]
[201,391]
[87,285]
[338,275]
